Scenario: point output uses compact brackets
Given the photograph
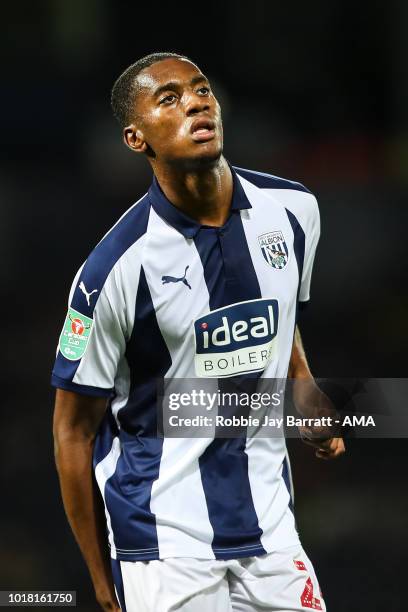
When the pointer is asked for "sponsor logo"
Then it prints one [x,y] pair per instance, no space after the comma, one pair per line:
[236,339]
[75,335]
[85,292]
[274,249]
[177,279]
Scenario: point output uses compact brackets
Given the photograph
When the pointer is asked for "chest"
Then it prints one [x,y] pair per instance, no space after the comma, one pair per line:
[227,288]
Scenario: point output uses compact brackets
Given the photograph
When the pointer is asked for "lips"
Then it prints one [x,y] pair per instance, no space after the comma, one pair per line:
[202,129]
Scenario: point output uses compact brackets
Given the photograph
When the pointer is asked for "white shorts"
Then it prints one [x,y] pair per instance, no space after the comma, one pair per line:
[278,582]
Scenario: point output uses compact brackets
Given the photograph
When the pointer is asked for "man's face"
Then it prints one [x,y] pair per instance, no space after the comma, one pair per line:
[177,114]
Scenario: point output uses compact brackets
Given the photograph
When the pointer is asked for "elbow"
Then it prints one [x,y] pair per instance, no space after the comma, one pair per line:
[69,441]
[75,425]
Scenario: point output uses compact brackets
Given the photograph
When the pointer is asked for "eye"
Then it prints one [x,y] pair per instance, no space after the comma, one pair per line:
[169,99]
[204,90]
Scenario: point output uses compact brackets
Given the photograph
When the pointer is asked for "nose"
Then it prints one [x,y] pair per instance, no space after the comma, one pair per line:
[196,104]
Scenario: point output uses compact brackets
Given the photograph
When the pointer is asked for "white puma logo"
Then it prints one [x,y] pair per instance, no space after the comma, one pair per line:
[86,294]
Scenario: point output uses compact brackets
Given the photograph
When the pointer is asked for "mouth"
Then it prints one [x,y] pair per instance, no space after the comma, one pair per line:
[202,130]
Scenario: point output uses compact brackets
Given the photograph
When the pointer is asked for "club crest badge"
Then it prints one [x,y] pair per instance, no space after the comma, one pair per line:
[274,249]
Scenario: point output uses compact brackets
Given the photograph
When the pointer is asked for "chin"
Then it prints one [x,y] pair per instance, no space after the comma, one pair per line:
[206,157]
[208,160]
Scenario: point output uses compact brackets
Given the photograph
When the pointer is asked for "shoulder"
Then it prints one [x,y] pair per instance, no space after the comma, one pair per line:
[295,197]
[270,181]
[127,234]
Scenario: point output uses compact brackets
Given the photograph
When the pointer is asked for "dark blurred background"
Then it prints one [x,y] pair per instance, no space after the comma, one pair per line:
[312,91]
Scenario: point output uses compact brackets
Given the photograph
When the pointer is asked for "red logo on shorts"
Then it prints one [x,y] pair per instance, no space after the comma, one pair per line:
[299,564]
[204,325]
[307,599]
[77,326]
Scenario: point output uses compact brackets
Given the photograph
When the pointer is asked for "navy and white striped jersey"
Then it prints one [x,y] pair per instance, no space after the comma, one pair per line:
[163,297]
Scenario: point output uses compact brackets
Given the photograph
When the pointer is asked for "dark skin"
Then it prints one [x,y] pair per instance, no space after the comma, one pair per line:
[173,98]
[311,402]
[177,125]
[76,421]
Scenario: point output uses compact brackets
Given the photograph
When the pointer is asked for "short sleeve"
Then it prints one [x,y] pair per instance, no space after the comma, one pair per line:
[311,228]
[91,342]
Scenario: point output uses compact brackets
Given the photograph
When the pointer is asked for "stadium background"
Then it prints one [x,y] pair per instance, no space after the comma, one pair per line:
[315,92]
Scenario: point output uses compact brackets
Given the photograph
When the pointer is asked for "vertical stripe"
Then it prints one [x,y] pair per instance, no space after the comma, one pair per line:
[269,490]
[118,582]
[177,498]
[134,523]
[287,479]
[230,278]
[274,517]
[103,473]
[299,248]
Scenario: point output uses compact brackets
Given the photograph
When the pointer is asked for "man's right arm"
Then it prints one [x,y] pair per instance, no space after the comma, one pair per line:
[76,421]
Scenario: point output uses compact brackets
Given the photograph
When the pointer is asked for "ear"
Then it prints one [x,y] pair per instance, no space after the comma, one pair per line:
[134,139]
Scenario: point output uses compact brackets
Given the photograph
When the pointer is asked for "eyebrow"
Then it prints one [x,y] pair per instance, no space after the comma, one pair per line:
[174,84]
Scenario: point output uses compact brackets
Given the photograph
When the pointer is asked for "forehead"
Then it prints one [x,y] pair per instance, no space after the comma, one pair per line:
[165,71]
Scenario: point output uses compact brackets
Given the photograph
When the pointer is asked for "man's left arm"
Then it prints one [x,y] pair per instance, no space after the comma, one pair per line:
[311,402]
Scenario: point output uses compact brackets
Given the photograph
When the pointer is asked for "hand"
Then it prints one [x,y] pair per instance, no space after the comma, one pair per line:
[107,600]
[109,605]
[311,402]
[326,449]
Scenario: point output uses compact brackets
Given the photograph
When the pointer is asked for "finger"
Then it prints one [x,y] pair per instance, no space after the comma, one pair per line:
[329,445]
[332,445]
[339,447]
[335,450]
[326,455]
[322,455]
[340,450]
[342,446]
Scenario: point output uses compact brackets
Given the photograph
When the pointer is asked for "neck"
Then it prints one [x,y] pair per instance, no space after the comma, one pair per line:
[203,194]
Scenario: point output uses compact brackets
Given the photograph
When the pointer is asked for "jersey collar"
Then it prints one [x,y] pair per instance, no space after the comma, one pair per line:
[182,222]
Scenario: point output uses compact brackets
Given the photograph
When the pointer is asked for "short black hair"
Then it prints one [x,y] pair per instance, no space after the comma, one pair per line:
[123,91]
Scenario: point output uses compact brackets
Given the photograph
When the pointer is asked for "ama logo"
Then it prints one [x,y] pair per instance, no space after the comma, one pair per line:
[236,339]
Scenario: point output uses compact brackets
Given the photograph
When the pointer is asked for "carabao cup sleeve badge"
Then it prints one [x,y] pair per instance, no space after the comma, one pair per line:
[75,335]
